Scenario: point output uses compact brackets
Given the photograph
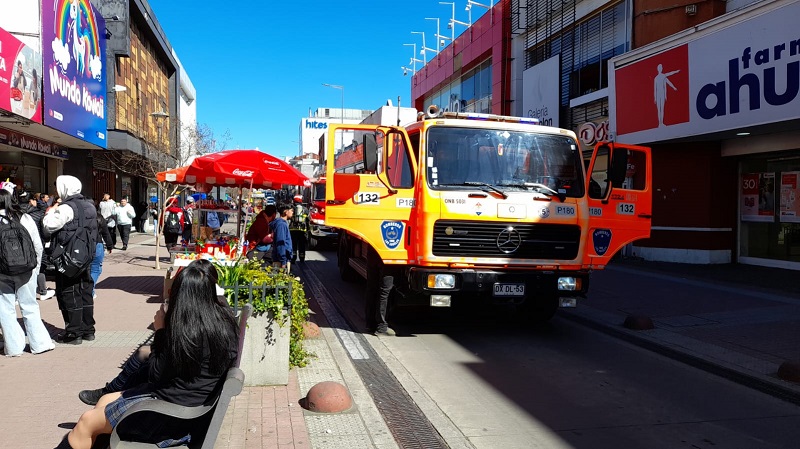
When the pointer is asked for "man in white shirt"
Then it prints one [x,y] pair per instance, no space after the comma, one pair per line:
[125,215]
[108,209]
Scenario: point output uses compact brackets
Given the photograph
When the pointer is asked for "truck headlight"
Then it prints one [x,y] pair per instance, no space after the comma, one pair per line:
[441,281]
[569,284]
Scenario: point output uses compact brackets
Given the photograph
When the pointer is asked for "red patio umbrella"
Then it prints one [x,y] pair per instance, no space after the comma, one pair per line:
[236,168]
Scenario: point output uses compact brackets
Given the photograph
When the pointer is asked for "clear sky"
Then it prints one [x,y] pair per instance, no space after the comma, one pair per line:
[259,65]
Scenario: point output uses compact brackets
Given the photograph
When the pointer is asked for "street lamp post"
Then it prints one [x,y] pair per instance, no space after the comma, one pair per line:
[336,86]
[159,117]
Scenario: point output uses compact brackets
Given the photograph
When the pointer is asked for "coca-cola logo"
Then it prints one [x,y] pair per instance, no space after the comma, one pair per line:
[243,173]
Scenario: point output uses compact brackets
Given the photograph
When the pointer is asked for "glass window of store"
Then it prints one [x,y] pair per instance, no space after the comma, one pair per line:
[769,207]
[23,169]
[585,49]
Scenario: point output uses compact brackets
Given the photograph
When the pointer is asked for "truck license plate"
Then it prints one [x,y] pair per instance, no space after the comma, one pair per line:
[501,289]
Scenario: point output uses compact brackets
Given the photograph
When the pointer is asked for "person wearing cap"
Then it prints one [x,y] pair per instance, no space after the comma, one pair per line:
[188,219]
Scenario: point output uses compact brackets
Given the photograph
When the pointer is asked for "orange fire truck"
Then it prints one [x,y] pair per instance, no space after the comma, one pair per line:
[478,207]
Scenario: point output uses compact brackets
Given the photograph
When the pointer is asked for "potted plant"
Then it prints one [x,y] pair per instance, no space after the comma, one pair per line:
[271,346]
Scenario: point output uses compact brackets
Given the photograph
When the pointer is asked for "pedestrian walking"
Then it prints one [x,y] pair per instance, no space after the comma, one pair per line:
[21,257]
[69,223]
[174,222]
[188,220]
[125,216]
[108,209]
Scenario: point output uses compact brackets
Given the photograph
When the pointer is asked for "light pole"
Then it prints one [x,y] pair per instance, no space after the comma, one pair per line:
[159,117]
[439,38]
[336,86]
[490,7]
[452,18]
[422,52]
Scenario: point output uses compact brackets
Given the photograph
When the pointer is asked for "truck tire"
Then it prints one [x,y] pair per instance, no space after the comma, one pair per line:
[311,241]
[540,309]
[346,272]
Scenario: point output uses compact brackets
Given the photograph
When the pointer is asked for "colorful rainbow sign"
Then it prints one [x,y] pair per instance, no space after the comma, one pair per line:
[74,47]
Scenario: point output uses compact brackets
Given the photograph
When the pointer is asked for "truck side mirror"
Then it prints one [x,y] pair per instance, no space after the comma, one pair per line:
[370,153]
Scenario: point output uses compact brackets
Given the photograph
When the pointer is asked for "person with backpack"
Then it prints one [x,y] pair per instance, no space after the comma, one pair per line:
[20,257]
[72,227]
[174,222]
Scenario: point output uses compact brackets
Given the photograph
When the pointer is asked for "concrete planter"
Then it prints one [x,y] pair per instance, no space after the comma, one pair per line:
[265,356]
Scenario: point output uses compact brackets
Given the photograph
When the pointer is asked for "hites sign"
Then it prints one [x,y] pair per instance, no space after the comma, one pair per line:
[742,75]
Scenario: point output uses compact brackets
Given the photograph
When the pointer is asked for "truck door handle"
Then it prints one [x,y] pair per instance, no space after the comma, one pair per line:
[335,202]
[648,216]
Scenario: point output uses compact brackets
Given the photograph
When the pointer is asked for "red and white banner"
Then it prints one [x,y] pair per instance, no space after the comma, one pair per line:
[758,197]
[739,75]
[790,197]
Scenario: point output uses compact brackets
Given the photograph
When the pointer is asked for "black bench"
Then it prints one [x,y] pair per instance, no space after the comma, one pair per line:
[163,410]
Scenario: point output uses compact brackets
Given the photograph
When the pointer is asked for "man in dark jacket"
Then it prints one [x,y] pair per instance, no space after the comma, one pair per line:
[74,293]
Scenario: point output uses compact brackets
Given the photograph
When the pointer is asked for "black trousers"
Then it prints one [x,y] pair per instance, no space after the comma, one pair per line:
[76,303]
[113,231]
[124,233]
[299,243]
[380,282]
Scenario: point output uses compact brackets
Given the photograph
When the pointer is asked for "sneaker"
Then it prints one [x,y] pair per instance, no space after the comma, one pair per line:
[88,337]
[50,293]
[386,332]
[69,339]
[125,248]
[90,397]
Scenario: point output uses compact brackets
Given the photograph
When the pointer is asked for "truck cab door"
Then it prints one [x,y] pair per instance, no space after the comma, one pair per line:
[371,172]
[619,181]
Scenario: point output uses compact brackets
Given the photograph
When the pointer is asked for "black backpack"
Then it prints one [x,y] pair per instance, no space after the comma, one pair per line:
[75,255]
[172,225]
[17,253]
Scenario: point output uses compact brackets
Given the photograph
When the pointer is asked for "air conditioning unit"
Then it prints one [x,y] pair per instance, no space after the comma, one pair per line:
[691,10]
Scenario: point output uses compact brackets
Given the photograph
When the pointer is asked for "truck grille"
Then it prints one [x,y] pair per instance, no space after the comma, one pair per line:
[509,240]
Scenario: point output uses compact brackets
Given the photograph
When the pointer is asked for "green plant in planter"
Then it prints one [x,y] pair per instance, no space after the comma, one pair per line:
[270,290]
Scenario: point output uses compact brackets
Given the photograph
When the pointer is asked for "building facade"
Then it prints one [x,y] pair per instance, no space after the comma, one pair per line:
[52,92]
[718,197]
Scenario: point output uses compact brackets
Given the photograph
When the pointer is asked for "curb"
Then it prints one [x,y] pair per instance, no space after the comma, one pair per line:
[650,340]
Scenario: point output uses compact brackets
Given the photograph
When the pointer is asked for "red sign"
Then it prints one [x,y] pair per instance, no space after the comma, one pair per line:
[653,92]
[20,78]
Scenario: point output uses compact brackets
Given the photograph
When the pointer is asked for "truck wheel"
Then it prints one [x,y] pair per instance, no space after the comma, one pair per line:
[346,272]
[540,310]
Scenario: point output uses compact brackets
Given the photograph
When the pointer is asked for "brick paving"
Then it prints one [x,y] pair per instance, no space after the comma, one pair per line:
[39,392]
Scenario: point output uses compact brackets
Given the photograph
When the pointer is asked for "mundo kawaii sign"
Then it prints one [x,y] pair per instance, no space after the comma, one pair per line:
[74,47]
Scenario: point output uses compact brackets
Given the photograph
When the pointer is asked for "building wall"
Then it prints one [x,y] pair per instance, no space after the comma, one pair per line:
[489,36]
[147,79]
[656,19]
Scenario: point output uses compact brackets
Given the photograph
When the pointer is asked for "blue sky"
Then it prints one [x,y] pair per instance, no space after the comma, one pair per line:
[258,66]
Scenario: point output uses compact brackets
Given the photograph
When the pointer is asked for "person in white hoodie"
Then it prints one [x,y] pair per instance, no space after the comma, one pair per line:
[125,215]
[21,288]
[74,294]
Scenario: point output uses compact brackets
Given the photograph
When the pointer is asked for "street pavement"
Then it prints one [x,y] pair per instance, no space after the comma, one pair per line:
[740,322]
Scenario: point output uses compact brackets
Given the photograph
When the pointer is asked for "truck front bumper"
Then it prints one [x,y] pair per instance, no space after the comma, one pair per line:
[486,282]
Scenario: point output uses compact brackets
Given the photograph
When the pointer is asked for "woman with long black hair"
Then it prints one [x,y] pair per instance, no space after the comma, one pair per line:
[21,288]
[195,344]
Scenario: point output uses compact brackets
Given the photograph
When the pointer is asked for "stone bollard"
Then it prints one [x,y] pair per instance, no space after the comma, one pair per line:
[327,397]
[310,329]
[638,323]
[790,371]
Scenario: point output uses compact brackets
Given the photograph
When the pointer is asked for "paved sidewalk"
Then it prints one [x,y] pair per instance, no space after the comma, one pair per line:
[738,321]
[39,392]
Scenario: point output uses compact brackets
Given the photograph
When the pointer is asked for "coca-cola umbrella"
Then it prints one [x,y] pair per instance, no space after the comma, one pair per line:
[236,168]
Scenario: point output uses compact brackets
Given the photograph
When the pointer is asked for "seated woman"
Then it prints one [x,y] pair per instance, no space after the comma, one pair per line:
[178,370]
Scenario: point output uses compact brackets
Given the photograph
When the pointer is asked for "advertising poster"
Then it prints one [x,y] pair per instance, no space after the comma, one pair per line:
[20,78]
[758,197]
[790,206]
[74,47]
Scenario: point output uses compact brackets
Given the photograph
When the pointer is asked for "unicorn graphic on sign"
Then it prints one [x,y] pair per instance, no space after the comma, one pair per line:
[80,42]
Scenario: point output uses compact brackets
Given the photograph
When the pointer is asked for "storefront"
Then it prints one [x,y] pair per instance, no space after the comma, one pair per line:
[719,104]
[27,160]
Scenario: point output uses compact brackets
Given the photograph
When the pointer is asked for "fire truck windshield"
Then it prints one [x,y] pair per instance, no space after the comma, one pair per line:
[460,158]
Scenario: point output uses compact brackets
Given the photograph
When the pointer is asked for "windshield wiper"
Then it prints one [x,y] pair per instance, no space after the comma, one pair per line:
[541,188]
[484,186]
